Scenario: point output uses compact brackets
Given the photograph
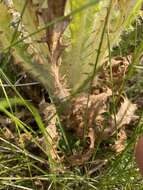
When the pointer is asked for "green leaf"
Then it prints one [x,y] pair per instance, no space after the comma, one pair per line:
[86,31]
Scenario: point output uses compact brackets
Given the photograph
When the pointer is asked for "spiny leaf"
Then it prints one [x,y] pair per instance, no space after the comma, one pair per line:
[86,32]
[30,53]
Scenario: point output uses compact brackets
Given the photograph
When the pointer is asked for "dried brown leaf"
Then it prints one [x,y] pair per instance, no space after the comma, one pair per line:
[118,67]
[24,138]
[80,159]
[125,114]
[74,119]
[119,145]
[123,117]
[7,133]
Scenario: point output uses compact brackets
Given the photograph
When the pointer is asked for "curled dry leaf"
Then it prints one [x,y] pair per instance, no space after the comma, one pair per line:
[124,116]
[75,120]
[119,145]
[118,67]
[24,138]
[83,108]
[7,133]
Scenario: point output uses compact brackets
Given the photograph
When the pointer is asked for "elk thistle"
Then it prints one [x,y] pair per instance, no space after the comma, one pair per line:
[69,72]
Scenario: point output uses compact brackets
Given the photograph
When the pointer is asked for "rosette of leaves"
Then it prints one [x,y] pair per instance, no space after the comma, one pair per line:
[84,22]
[64,44]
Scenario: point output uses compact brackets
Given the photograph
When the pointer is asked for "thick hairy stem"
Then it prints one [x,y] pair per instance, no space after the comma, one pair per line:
[55,10]
[61,90]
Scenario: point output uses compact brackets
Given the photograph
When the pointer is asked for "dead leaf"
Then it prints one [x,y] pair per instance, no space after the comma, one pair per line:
[119,145]
[80,159]
[24,138]
[118,68]
[7,133]
[74,119]
[125,114]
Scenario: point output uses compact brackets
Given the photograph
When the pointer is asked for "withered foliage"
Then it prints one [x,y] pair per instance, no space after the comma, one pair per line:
[120,143]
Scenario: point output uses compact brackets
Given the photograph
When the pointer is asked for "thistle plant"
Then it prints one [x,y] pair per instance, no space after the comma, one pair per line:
[65,44]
